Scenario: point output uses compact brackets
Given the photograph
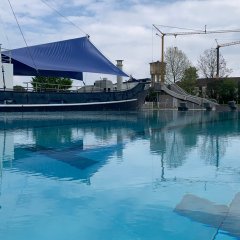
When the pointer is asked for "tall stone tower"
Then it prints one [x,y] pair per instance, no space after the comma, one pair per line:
[119,78]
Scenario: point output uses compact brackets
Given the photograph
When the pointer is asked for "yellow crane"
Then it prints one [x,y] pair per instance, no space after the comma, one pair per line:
[190,32]
[223,45]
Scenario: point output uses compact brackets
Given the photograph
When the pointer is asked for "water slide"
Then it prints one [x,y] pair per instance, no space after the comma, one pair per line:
[175,91]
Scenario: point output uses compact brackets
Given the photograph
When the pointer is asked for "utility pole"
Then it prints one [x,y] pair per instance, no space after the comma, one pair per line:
[217,48]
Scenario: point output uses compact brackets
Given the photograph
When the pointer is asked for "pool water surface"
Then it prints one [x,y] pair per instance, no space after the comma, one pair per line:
[161,175]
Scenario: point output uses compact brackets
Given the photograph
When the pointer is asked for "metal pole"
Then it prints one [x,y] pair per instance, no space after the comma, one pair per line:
[4,84]
[162,48]
[218,47]
[162,56]
[162,67]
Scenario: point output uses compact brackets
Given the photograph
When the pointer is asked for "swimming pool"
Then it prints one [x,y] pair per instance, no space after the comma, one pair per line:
[150,175]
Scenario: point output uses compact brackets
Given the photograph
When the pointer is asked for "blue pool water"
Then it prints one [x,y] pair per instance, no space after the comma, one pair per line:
[152,175]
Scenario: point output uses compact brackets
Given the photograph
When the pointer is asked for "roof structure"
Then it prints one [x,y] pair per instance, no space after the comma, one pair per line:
[68,58]
[203,82]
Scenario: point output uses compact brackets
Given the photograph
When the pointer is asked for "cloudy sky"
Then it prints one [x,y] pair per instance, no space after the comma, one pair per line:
[122,29]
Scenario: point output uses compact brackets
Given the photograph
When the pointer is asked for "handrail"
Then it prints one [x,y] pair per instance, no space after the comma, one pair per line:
[200,99]
[49,86]
[187,97]
[58,87]
[53,87]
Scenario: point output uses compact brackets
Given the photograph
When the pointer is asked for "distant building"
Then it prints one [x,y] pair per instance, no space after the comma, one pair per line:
[202,83]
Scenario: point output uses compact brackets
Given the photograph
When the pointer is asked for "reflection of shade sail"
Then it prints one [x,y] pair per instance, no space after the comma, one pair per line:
[71,163]
[227,218]
[69,58]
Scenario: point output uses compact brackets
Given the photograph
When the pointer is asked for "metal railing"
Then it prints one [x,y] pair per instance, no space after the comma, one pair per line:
[174,88]
[47,87]
[187,97]
[52,87]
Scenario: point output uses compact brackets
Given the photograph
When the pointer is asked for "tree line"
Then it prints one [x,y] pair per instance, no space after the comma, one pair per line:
[177,63]
[179,70]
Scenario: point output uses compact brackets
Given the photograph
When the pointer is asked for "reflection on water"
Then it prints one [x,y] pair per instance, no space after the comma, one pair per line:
[148,175]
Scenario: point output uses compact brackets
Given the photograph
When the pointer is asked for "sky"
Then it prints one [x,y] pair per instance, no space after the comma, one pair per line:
[122,29]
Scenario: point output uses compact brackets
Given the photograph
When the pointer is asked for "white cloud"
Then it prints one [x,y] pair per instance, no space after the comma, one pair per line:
[123,29]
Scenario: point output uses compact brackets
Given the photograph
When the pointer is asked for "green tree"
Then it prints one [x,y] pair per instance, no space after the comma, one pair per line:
[177,62]
[238,94]
[19,88]
[51,83]
[214,89]
[152,96]
[228,90]
[189,80]
[223,90]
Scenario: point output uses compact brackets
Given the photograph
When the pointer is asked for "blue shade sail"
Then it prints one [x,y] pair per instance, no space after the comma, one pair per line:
[68,58]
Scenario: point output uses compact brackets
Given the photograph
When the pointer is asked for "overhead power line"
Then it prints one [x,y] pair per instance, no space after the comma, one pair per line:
[29,52]
[66,18]
[167,26]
